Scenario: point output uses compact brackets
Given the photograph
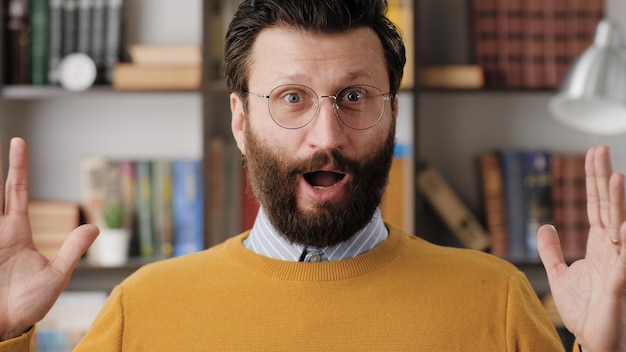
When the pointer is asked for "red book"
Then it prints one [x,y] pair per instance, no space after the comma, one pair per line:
[510,47]
[250,206]
[575,226]
[484,39]
[533,43]
[561,37]
[492,188]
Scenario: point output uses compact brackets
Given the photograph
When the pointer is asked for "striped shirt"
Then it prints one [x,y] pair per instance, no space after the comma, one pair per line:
[265,240]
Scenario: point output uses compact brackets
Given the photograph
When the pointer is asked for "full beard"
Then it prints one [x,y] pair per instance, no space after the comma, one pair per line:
[273,179]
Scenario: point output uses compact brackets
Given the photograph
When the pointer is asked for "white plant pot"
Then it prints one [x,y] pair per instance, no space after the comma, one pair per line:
[110,248]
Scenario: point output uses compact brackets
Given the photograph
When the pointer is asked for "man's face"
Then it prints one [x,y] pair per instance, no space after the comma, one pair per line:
[321,183]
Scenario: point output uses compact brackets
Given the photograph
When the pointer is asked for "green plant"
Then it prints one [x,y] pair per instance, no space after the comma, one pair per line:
[114,216]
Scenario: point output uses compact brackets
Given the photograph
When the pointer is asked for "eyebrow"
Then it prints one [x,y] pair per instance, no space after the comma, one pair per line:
[351,75]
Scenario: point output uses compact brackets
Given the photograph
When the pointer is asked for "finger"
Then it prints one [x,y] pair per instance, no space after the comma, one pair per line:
[16,201]
[617,206]
[549,248]
[593,199]
[603,171]
[74,247]
[1,180]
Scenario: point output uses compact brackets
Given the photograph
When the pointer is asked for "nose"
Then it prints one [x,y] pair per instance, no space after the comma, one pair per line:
[326,131]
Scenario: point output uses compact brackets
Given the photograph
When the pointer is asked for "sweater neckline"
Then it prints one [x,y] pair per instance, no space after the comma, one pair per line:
[375,259]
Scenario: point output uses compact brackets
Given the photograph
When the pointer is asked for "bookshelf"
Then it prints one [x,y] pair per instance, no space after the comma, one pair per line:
[473,121]
[62,127]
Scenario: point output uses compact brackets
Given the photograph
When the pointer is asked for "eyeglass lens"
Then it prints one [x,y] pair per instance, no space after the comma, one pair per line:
[294,106]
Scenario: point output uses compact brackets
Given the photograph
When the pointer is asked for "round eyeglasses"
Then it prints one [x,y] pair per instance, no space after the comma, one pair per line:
[294,106]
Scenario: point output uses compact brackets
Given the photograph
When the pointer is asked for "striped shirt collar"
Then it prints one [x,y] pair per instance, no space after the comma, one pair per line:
[265,240]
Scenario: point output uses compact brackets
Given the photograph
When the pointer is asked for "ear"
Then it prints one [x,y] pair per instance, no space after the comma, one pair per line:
[396,105]
[238,122]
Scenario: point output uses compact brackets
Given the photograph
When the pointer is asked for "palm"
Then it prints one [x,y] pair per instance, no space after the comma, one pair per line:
[30,282]
[591,293]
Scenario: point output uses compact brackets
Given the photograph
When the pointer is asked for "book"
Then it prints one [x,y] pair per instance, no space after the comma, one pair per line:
[113,43]
[484,47]
[162,207]
[533,57]
[70,27]
[144,225]
[493,202]
[460,220]
[250,205]
[397,203]
[509,43]
[452,77]
[39,42]
[83,26]
[55,50]
[127,76]
[514,202]
[51,222]
[179,55]
[97,37]
[17,27]
[573,203]
[400,12]
[187,206]
[68,320]
[537,196]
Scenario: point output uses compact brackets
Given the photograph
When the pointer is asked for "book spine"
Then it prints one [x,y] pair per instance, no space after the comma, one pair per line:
[492,188]
[39,42]
[536,181]
[533,44]
[575,221]
[510,38]
[484,39]
[250,205]
[55,38]
[143,206]
[187,206]
[514,202]
[17,70]
[561,38]
[69,27]
[83,31]
[162,207]
[97,34]
[401,14]
[556,190]
[459,219]
[113,36]
[549,53]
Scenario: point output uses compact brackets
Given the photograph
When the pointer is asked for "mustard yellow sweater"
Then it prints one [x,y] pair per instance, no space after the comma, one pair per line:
[404,295]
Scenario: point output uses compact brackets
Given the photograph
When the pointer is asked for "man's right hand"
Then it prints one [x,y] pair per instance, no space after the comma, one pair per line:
[29,282]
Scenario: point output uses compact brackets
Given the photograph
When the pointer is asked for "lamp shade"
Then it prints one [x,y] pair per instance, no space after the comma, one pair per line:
[592,98]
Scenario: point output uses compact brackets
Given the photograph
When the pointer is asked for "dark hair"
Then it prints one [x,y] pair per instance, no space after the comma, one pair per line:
[317,16]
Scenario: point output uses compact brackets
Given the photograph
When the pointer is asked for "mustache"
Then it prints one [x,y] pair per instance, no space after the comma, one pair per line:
[324,158]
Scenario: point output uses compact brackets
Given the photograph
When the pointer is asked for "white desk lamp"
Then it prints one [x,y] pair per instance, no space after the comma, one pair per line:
[592,98]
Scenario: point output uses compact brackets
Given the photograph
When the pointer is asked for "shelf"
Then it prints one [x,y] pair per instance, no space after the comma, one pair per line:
[25,92]
[88,277]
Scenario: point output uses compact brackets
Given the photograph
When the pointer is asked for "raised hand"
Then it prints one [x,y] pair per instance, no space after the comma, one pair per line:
[590,294]
[29,282]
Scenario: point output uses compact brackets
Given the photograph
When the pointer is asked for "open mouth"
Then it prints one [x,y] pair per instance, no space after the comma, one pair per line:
[323,179]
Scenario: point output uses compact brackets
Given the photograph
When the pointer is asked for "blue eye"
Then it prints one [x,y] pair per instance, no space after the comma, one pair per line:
[293,98]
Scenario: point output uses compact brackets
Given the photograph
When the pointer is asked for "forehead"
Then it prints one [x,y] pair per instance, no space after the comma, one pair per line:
[286,55]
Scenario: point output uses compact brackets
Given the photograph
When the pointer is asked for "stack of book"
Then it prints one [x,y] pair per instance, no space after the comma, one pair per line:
[39,33]
[160,67]
[524,189]
[158,200]
[531,43]
[51,222]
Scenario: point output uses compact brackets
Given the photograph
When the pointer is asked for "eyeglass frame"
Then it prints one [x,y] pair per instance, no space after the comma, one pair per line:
[385,96]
